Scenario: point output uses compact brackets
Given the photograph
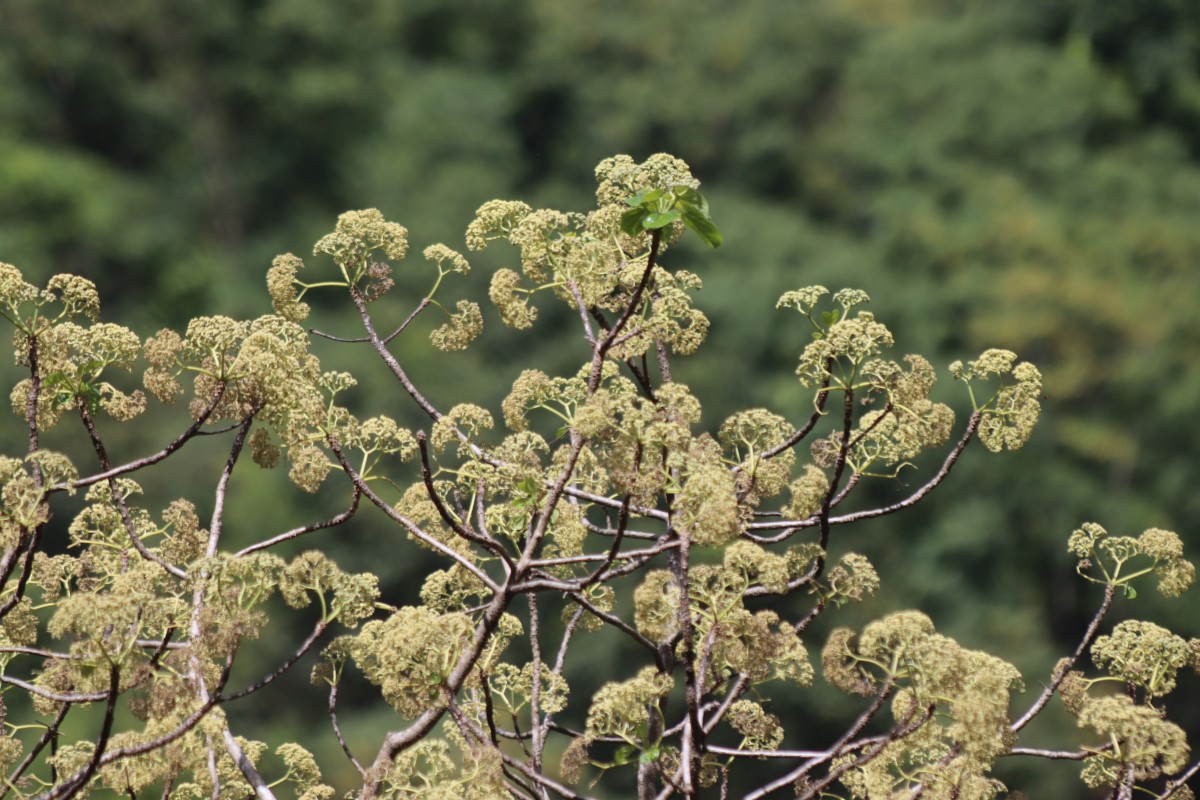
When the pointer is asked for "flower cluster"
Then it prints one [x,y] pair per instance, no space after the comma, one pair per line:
[1118,560]
[957,699]
[1010,414]
[357,235]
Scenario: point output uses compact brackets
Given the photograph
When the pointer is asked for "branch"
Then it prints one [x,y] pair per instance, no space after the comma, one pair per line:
[1179,782]
[305,646]
[190,722]
[58,697]
[295,532]
[398,741]
[731,751]
[917,496]
[819,412]
[252,776]
[51,734]
[1054,755]
[840,746]
[363,339]
[535,689]
[645,553]
[218,515]
[408,524]
[588,333]
[486,542]
[634,301]
[119,500]
[908,502]
[71,788]
[337,730]
[180,441]
[482,737]
[622,522]
[26,571]
[390,360]
[1061,673]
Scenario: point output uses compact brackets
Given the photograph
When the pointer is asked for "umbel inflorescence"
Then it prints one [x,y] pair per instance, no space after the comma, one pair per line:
[598,500]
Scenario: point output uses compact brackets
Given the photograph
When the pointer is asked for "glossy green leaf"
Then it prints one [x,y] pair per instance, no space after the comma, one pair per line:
[704,228]
[645,197]
[659,219]
[631,221]
[690,197]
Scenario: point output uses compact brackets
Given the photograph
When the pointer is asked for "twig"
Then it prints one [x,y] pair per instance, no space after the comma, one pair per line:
[1061,673]
[141,463]
[337,730]
[380,346]
[70,788]
[408,524]
[119,499]
[908,502]
[305,646]
[50,734]
[295,532]
[486,542]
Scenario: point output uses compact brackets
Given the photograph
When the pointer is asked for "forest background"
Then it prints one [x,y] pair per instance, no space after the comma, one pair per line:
[1014,173]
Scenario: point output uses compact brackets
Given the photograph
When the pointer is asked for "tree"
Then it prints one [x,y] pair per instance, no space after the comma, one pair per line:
[604,509]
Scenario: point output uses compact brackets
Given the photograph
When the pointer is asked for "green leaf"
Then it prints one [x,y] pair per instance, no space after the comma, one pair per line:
[687,196]
[659,219]
[624,754]
[649,756]
[703,227]
[645,197]
[631,221]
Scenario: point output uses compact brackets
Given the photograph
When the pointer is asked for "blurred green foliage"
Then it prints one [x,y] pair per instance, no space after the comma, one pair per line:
[1016,173]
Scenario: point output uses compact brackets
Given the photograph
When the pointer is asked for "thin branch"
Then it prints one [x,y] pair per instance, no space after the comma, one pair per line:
[408,524]
[190,722]
[1061,673]
[58,697]
[70,788]
[380,346]
[645,553]
[305,646]
[486,542]
[252,776]
[908,502]
[1179,781]
[363,339]
[933,483]
[529,772]
[50,735]
[119,499]
[26,570]
[1053,755]
[622,523]
[588,333]
[295,532]
[337,730]
[838,747]
[874,745]
[535,689]
[635,300]
[818,412]
[141,463]
[398,741]
[616,622]
[218,515]
[731,751]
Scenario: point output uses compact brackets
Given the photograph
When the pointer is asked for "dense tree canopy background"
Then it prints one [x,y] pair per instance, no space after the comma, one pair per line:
[1021,173]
